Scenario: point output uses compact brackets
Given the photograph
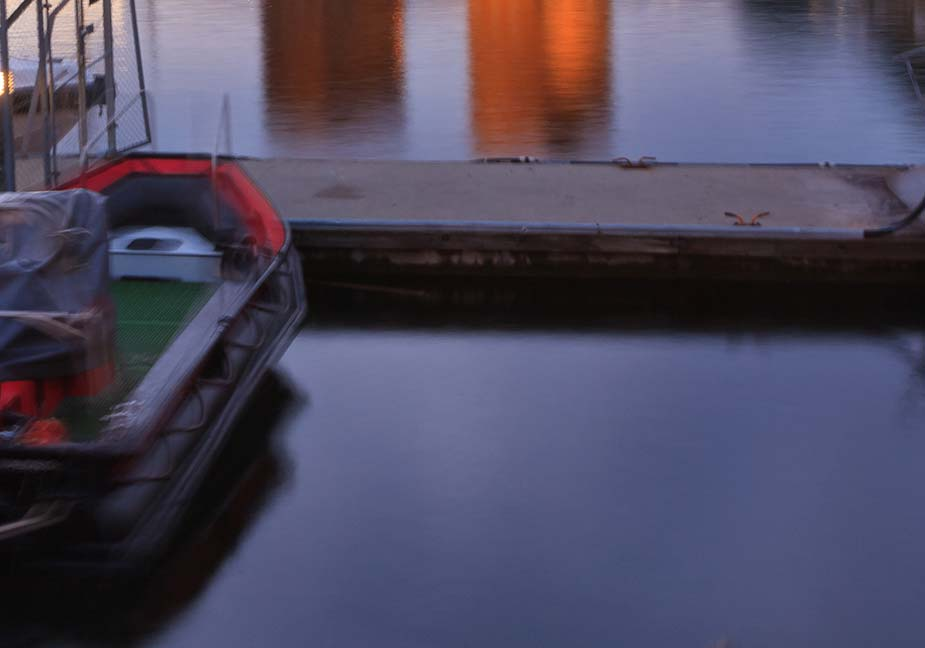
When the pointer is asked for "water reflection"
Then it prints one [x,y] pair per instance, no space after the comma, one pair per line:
[481,474]
[331,64]
[540,75]
[725,80]
[818,31]
[245,479]
[899,24]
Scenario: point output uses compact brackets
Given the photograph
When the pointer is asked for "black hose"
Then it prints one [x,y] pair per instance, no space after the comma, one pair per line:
[886,230]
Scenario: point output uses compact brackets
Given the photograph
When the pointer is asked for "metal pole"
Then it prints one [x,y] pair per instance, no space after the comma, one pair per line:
[6,105]
[18,11]
[110,78]
[51,15]
[50,78]
[141,72]
[81,74]
[43,63]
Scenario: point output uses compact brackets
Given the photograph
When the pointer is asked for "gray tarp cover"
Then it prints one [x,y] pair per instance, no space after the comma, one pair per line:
[53,261]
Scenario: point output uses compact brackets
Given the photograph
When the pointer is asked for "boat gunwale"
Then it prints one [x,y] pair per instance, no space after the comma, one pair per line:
[162,515]
[136,438]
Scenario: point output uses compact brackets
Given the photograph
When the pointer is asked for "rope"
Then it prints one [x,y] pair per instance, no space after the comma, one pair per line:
[50,323]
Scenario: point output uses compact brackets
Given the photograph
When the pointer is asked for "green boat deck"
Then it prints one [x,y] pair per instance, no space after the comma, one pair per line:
[149,314]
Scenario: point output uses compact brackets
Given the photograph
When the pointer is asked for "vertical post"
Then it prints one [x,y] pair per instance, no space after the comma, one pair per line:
[81,74]
[50,18]
[43,63]
[141,73]
[109,62]
[6,104]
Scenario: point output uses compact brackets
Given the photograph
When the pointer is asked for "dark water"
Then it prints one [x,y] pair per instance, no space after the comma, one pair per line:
[606,487]
[695,80]
[474,469]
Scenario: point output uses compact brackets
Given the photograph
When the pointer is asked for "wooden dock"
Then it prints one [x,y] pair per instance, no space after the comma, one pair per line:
[584,219]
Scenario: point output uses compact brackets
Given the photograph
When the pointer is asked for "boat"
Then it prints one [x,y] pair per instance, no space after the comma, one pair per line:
[140,305]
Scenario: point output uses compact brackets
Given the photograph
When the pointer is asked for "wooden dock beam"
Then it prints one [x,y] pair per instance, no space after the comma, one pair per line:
[331,249]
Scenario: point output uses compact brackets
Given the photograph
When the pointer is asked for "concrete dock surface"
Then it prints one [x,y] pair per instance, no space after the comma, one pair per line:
[567,218]
[795,196]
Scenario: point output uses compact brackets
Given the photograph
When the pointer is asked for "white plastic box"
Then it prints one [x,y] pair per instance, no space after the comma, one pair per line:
[170,253]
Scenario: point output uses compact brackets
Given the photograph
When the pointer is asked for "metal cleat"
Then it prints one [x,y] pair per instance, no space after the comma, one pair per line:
[754,222]
[645,162]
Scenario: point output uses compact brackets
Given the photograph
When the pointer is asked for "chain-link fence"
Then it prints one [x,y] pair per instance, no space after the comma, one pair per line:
[77,86]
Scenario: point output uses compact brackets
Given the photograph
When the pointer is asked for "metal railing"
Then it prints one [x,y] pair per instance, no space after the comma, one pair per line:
[84,158]
[102,73]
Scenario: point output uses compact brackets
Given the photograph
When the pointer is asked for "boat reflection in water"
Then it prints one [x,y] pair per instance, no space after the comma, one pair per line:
[333,68]
[246,477]
[540,76]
